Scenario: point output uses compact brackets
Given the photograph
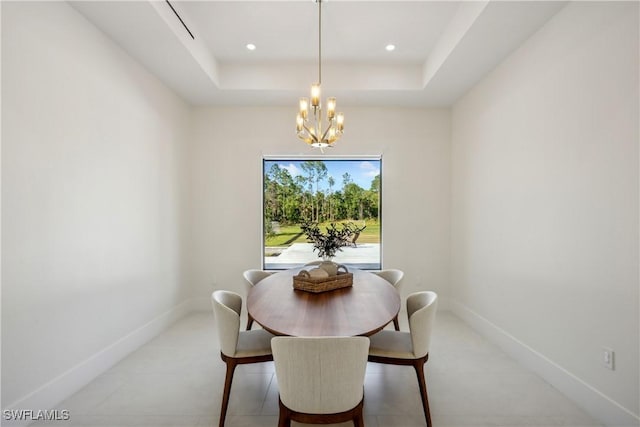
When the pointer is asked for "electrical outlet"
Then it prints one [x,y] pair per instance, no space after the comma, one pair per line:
[608,358]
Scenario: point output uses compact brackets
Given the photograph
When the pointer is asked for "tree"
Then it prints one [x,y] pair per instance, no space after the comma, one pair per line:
[294,199]
[316,171]
[301,183]
[346,179]
[270,198]
[281,192]
[375,184]
[354,199]
[331,182]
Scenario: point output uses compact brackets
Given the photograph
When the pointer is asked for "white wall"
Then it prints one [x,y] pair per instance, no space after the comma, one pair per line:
[228,144]
[92,175]
[545,203]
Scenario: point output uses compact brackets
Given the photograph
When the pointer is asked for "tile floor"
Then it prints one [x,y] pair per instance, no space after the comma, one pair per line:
[176,380]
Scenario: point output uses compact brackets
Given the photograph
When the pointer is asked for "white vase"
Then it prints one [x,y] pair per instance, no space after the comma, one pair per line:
[329,266]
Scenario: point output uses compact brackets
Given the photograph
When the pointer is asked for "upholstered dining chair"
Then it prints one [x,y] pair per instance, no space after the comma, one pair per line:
[394,277]
[251,277]
[410,348]
[236,347]
[321,379]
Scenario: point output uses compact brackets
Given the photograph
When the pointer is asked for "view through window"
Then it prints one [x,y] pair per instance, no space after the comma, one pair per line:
[323,191]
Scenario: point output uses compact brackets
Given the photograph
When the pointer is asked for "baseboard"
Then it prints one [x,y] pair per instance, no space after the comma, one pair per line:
[596,403]
[50,394]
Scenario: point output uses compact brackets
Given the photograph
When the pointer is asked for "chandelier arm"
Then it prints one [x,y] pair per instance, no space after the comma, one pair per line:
[315,138]
[324,135]
[306,138]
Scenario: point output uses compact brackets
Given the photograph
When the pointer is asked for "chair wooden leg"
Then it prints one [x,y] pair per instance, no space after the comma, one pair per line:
[358,419]
[284,419]
[249,322]
[396,324]
[419,367]
[231,367]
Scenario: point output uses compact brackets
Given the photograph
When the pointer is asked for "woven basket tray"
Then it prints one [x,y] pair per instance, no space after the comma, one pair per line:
[315,285]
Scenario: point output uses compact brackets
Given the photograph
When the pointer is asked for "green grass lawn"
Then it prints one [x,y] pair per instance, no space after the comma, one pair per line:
[290,234]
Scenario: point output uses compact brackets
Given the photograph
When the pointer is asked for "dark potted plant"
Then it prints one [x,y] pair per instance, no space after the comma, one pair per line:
[327,244]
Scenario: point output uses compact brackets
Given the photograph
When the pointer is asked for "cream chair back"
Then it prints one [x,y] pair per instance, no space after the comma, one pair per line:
[320,375]
[421,308]
[254,276]
[392,276]
[227,306]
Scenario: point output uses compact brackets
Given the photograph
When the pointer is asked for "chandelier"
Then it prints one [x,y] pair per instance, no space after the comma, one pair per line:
[310,128]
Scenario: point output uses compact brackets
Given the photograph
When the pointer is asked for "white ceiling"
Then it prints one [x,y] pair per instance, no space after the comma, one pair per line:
[442,47]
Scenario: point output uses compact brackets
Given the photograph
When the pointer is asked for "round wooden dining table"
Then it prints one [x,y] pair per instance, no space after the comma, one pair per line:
[362,309]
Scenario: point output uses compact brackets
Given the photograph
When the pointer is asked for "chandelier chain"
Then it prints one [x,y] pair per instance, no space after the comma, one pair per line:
[319,41]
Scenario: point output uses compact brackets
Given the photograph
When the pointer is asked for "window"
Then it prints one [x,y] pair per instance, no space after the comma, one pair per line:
[344,191]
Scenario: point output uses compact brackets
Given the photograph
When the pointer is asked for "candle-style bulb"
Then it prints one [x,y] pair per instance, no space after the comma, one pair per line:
[299,123]
[340,121]
[331,108]
[315,95]
[304,108]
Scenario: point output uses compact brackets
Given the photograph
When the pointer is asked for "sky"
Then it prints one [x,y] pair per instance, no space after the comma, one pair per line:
[362,171]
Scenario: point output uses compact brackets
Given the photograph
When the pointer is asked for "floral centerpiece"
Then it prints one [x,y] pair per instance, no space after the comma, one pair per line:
[327,244]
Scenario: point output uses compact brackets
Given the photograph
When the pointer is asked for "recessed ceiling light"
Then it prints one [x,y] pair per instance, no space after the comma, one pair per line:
[390,47]
[251,46]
